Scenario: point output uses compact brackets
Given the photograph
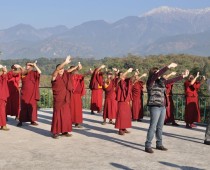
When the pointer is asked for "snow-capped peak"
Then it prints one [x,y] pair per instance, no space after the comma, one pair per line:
[169,10]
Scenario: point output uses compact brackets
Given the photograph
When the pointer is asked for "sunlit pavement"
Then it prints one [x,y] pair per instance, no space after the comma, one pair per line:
[99,146]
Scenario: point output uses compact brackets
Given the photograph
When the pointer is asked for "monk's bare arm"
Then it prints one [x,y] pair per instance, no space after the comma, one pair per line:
[194,80]
[20,70]
[125,73]
[67,61]
[101,67]
[169,75]
[61,66]
[37,68]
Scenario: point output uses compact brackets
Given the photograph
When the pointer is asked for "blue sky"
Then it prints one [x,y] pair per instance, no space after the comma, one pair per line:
[48,13]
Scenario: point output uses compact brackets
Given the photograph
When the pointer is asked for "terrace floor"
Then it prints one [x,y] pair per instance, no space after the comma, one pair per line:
[98,147]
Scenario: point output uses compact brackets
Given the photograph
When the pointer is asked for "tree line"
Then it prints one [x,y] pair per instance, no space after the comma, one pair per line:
[143,63]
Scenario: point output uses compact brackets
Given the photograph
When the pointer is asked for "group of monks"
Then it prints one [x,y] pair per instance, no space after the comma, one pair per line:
[21,105]
[123,97]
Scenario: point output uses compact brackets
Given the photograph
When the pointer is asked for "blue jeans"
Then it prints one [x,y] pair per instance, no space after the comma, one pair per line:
[157,118]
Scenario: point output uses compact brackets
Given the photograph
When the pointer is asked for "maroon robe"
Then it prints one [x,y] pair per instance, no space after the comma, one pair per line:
[96,83]
[192,109]
[61,120]
[4,93]
[29,97]
[124,96]
[110,103]
[137,102]
[170,107]
[78,90]
[13,101]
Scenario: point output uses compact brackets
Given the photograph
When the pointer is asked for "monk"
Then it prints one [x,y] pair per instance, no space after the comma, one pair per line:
[110,104]
[95,86]
[77,91]
[124,96]
[4,93]
[192,108]
[61,120]
[13,101]
[169,97]
[137,94]
[29,94]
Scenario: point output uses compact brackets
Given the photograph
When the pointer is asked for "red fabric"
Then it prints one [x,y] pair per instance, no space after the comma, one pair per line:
[2,113]
[123,119]
[4,93]
[192,109]
[29,97]
[13,101]
[96,83]
[61,120]
[96,100]
[137,103]
[76,108]
[77,92]
[124,95]
[96,80]
[124,90]
[110,104]
[170,107]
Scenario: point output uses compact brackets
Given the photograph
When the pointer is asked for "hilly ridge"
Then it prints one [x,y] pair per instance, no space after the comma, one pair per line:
[160,31]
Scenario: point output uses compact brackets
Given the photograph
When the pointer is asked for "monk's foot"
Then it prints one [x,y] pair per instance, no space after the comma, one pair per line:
[66,134]
[121,132]
[55,136]
[78,125]
[111,122]
[16,118]
[34,124]
[5,128]
[99,111]
[20,124]
[188,126]
[92,113]
[139,120]
[175,124]
[193,125]
[126,131]
[103,123]
[134,120]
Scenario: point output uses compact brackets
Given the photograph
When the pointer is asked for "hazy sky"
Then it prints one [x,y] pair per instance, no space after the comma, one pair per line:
[47,13]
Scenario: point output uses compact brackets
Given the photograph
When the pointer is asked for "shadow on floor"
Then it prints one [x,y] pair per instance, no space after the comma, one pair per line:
[180,167]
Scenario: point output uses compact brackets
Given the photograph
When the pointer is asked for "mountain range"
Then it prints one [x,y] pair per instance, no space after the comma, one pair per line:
[163,30]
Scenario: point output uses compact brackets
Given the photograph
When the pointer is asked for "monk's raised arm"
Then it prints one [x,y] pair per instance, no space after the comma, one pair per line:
[125,73]
[194,80]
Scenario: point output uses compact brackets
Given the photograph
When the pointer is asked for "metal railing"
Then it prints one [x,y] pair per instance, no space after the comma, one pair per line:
[46,101]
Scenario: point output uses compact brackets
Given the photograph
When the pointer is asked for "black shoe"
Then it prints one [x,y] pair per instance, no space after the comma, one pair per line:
[206,142]
[149,150]
[92,113]
[162,148]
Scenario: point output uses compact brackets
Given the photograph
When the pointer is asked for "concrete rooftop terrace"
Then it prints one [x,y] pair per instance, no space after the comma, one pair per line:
[99,147]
